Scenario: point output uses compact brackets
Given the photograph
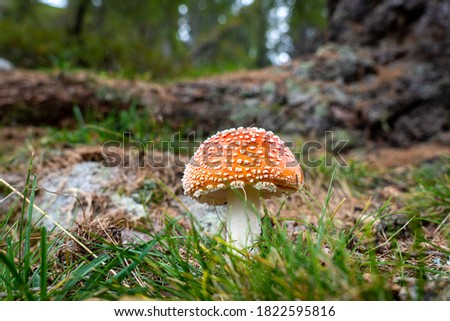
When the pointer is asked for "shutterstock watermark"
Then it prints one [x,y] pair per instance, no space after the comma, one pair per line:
[131,152]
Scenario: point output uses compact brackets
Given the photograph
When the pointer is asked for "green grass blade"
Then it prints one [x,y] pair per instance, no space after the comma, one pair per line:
[26,251]
[18,282]
[125,272]
[80,273]
[43,263]
[24,206]
[322,225]
[8,279]
[78,116]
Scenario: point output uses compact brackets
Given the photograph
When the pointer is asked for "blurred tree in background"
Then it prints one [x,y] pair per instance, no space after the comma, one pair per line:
[158,39]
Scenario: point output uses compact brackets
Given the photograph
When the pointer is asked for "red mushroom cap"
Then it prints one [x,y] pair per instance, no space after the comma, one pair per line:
[239,157]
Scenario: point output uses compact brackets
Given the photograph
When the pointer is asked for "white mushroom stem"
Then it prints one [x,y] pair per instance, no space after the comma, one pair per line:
[243,220]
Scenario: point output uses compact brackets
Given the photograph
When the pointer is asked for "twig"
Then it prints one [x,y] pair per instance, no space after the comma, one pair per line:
[45,190]
[393,235]
[44,213]
[442,223]
[6,197]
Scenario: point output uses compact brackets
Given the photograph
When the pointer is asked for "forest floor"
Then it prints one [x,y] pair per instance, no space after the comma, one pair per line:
[376,228]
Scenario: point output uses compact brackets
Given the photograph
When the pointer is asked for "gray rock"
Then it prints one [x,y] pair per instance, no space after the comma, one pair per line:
[304,70]
[297,94]
[83,183]
[210,219]
[5,65]
[337,95]
[269,91]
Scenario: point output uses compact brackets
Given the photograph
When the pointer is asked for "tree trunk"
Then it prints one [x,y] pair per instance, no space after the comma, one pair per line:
[80,15]
[22,9]
[262,26]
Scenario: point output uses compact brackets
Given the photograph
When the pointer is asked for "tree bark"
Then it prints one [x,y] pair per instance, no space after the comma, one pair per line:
[80,15]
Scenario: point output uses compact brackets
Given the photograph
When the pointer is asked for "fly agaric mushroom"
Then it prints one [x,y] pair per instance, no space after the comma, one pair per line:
[236,167]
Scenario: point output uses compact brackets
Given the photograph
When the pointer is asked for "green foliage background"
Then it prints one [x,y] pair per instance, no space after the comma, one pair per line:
[140,37]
